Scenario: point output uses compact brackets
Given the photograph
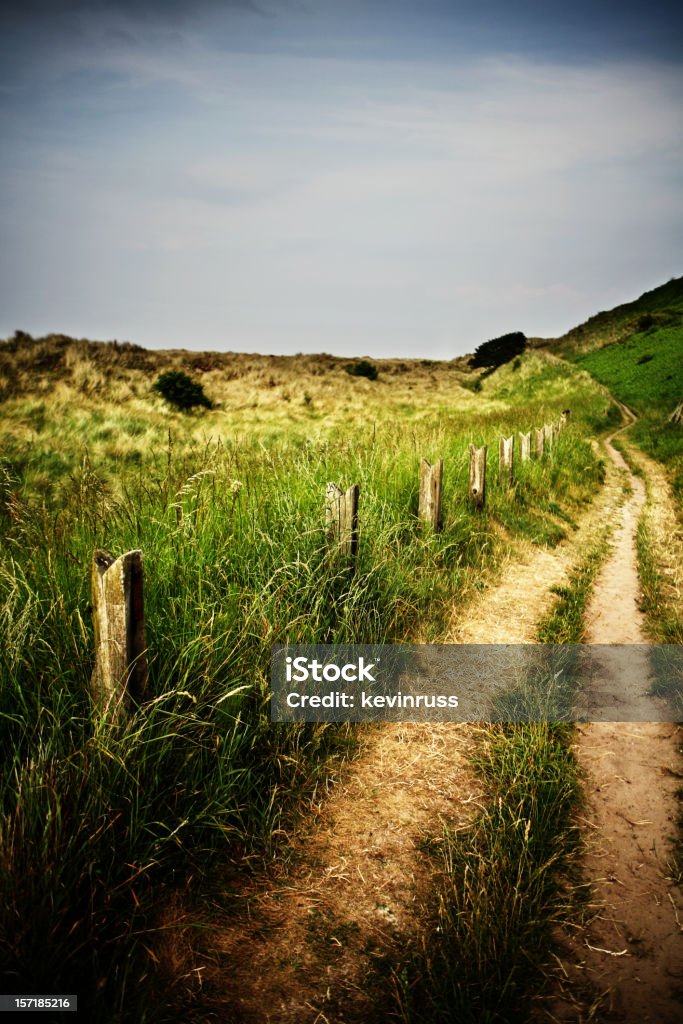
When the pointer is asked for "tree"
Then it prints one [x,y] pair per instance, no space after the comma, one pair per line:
[180,390]
[499,350]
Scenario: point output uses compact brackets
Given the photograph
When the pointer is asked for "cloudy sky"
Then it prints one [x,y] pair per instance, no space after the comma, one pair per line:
[382,177]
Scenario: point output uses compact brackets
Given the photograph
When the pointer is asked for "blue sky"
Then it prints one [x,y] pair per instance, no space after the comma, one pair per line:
[383,178]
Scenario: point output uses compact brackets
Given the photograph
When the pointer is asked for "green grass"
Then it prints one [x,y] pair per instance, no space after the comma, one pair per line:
[565,624]
[652,388]
[500,893]
[100,825]
[643,371]
[654,309]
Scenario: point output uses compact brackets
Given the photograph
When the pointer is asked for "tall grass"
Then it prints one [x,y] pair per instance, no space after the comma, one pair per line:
[500,892]
[101,823]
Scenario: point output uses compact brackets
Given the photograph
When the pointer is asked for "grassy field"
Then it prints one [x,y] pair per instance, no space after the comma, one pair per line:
[636,350]
[101,824]
[645,371]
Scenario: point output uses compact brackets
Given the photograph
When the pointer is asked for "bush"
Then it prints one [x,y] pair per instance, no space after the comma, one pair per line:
[180,390]
[363,369]
[499,350]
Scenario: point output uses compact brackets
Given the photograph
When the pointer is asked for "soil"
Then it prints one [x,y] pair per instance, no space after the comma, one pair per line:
[626,964]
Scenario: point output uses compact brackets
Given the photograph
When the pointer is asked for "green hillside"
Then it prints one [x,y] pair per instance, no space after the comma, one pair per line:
[643,368]
[654,310]
[645,371]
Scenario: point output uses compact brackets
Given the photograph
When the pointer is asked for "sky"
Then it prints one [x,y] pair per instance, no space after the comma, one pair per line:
[369,177]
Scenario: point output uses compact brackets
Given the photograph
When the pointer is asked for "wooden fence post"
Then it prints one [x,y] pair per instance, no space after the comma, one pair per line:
[341,519]
[431,481]
[538,442]
[525,446]
[548,434]
[119,627]
[506,457]
[478,475]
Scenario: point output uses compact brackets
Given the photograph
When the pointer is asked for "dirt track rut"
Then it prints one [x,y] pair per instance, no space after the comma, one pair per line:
[627,964]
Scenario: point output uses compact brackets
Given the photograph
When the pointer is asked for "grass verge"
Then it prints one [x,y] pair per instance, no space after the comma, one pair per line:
[565,624]
[500,890]
[502,882]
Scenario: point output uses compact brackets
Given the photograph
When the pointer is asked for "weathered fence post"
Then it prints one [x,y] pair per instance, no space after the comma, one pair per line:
[506,456]
[538,442]
[119,627]
[525,446]
[341,519]
[431,480]
[677,415]
[478,475]
[548,434]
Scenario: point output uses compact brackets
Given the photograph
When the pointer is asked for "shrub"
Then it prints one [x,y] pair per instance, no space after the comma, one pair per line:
[363,369]
[180,390]
[499,350]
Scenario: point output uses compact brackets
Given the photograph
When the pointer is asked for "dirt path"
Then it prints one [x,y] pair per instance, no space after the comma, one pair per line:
[316,945]
[627,964]
[508,611]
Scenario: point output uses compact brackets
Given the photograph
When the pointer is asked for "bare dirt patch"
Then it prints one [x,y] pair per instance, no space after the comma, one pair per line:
[318,942]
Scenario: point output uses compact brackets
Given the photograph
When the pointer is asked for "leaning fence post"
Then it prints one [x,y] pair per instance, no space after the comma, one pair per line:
[478,475]
[538,442]
[525,446]
[119,626]
[506,456]
[341,519]
[431,481]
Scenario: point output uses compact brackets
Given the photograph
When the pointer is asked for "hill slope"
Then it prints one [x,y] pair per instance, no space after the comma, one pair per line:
[654,310]
[636,350]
